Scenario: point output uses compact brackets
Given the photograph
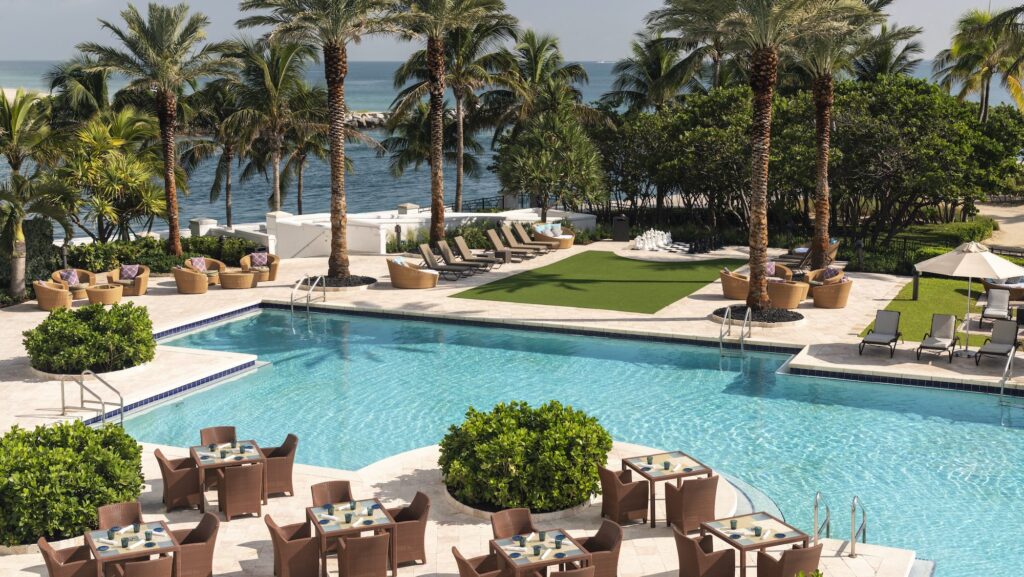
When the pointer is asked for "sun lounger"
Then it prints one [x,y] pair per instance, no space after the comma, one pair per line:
[1003,342]
[447,272]
[886,332]
[942,337]
[449,258]
[499,246]
[514,242]
[466,254]
[997,306]
[525,237]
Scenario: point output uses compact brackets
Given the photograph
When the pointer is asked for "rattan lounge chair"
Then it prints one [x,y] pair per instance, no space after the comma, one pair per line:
[782,271]
[832,296]
[133,287]
[510,522]
[697,558]
[524,236]
[331,493]
[181,482]
[449,258]
[212,265]
[240,490]
[51,295]
[1002,343]
[885,334]
[691,504]
[734,286]
[463,251]
[410,528]
[265,274]
[190,282]
[1016,291]
[483,566]
[85,278]
[279,465]
[787,294]
[363,556]
[119,514]
[406,276]
[448,272]
[604,549]
[796,561]
[499,246]
[941,338]
[157,567]
[218,435]
[622,498]
[817,277]
[515,243]
[296,549]
[68,561]
[197,545]
[997,306]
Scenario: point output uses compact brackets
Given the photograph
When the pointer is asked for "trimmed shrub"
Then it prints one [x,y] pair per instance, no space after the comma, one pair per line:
[99,339]
[152,252]
[53,478]
[518,456]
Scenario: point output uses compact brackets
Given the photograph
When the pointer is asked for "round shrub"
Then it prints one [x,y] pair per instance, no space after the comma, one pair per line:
[91,338]
[544,458]
[52,479]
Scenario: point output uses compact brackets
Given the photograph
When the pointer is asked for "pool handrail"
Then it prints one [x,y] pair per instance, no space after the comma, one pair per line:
[826,525]
[855,531]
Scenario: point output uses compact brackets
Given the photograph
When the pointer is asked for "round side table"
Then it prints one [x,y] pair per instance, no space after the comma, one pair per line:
[105,294]
[237,280]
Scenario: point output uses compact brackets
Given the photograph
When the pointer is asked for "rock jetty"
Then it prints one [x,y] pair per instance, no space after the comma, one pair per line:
[367,119]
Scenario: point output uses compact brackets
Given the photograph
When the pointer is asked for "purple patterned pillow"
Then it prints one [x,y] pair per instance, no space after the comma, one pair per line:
[129,271]
[198,263]
[769,269]
[258,259]
[70,276]
[830,272]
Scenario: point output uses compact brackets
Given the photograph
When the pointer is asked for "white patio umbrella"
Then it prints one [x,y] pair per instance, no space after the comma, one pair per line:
[970,260]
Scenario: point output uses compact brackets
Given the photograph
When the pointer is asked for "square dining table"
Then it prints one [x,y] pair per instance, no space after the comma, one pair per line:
[106,550]
[224,455]
[523,560]
[368,515]
[680,466]
[774,532]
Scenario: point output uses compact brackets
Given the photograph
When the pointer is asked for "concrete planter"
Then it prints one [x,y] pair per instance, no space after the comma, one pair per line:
[541,519]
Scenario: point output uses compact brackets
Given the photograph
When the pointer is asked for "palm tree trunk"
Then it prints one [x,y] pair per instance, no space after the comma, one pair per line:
[460,148]
[17,285]
[986,90]
[228,155]
[823,97]
[335,70]
[167,113]
[298,191]
[716,65]
[275,157]
[764,69]
[436,67]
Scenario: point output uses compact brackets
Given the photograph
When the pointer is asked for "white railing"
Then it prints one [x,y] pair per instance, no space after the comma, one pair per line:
[857,532]
[826,525]
[318,281]
[96,398]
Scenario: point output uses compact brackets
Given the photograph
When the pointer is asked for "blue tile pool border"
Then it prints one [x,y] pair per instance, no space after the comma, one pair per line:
[905,381]
[188,327]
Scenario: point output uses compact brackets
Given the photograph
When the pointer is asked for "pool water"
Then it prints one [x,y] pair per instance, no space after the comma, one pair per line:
[938,471]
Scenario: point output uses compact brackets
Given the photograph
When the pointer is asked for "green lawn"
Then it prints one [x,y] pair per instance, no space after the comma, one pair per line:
[601,280]
[936,295]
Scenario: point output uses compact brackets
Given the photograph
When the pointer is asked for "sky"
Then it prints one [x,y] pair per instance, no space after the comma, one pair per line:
[589,29]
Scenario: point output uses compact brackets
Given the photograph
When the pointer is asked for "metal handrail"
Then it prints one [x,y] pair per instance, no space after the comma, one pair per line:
[1007,375]
[295,287]
[323,291]
[96,398]
[724,330]
[826,525]
[855,531]
[747,329]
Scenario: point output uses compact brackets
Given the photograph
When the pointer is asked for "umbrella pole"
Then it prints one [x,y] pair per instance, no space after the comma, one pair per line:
[966,352]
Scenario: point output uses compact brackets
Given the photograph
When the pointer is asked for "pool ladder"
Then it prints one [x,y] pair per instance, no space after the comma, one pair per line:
[1007,375]
[826,525]
[317,281]
[94,397]
[856,531]
[725,329]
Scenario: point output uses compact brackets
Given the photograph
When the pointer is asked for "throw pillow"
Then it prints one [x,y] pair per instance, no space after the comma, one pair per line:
[198,263]
[830,272]
[556,230]
[399,260]
[769,269]
[259,259]
[70,276]
[129,271]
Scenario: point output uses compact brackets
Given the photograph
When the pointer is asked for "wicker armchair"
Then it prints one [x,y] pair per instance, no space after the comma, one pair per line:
[787,295]
[604,549]
[405,276]
[623,499]
[818,276]
[212,264]
[190,282]
[181,482]
[217,435]
[240,490]
[296,549]
[698,559]
[158,567]
[510,522]
[483,566]
[84,276]
[67,562]
[691,504]
[410,528]
[279,465]
[270,274]
[734,286]
[1016,294]
[119,514]
[134,288]
[363,556]
[832,296]
[51,295]
[782,271]
[331,492]
[792,562]
[197,544]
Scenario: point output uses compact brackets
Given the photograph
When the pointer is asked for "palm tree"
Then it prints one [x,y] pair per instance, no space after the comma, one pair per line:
[760,29]
[80,90]
[698,28]
[161,53]
[20,197]
[471,63]
[409,144]
[892,50]
[331,25]
[24,127]
[213,137]
[306,139]
[650,76]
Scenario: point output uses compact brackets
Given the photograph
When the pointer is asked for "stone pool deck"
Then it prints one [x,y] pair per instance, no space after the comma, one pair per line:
[244,547]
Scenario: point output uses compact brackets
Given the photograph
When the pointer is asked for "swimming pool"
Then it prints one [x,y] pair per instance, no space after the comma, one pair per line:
[938,471]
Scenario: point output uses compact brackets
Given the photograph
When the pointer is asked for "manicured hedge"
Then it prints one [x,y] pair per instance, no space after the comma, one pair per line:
[52,479]
[92,337]
[152,252]
[514,455]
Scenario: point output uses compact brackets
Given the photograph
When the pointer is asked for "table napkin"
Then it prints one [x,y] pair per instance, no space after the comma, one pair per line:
[545,554]
[108,542]
[139,543]
[326,516]
[516,549]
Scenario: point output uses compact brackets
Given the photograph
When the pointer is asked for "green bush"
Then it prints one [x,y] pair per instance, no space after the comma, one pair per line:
[99,339]
[52,479]
[517,456]
[952,233]
[152,252]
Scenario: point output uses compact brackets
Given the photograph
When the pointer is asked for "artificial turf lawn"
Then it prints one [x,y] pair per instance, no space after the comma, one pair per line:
[935,296]
[601,280]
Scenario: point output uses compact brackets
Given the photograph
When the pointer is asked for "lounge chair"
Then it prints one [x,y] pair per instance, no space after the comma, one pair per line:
[67,561]
[197,545]
[133,287]
[466,254]
[825,276]
[997,306]
[218,435]
[832,296]
[941,338]
[524,236]
[449,258]
[691,504]
[1016,290]
[119,514]
[623,499]
[190,282]
[210,267]
[510,522]
[280,461]
[886,332]
[697,557]
[447,272]
[265,273]
[735,286]
[296,549]
[499,246]
[781,271]
[406,276]
[514,242]
[1003,342]
[181,482]
[240,490]
[411,528]
[787,294]
[796,561]
[51,295]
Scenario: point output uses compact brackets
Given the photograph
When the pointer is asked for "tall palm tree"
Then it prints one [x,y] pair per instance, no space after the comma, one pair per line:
[307,139]
[80,90]
[161,53]
[472,60]
[650,76]
[891,50]
[760,30]
[331,25]
[696,25]
[24,127]
[20,197]
[213,138]
[409,146]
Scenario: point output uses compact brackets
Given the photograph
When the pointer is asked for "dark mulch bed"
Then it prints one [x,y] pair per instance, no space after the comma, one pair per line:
[761,316]
[349,281]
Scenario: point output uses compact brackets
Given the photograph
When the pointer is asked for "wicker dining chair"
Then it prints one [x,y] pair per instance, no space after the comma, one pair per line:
[280,461]
[604,549]
[483,566]
[510,522]
[158,567]
[588,571]
[331,492]
[697,557]
[410,528]
[197,544]
[796,561]
[67,562]
[218,435]
[296,549]
[119,514]
[363,556]
[181,482]
[240,490]
[691,504]
[622,498]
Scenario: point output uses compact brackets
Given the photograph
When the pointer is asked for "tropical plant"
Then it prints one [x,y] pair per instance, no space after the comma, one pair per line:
[211,137]
[161,53]
[91,338]
[891,50]
[80,90]
[697,26]
[330,25]
[20,197]
[307,139]
[650,76]
[24,127]
[408,142]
